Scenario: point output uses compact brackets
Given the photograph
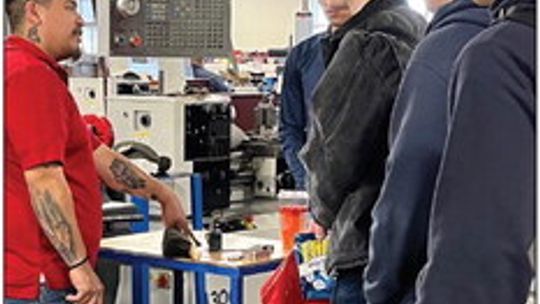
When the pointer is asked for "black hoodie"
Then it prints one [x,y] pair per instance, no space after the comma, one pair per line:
[347,142]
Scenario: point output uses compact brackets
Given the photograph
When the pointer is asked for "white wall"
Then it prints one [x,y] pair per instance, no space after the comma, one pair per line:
[262,24]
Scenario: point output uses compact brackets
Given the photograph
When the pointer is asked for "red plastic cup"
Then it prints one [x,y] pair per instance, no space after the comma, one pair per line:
[293,221]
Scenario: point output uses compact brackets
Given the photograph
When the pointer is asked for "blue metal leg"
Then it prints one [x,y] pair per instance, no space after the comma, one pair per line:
[200,288]
[197,201]
[237,289]
[144,207]
[140,284]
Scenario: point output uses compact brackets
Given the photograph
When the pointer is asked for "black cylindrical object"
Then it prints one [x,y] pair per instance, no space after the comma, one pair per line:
[214,239]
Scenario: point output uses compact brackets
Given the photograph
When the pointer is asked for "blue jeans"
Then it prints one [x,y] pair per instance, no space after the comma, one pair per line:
[348,288]
[46,296]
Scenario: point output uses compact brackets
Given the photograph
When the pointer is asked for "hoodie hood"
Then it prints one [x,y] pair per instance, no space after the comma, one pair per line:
[459,11]
[500,5]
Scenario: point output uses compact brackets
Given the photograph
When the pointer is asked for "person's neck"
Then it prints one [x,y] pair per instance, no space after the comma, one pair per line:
[357,5]
[439,5]
[37,44]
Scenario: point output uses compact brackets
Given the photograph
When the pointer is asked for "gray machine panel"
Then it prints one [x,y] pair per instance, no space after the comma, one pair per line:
[170,28]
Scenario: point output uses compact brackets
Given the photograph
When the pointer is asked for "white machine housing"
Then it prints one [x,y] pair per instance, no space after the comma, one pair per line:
[89,94]
[159,121]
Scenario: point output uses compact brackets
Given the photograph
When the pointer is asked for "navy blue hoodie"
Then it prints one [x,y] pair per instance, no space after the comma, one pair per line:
[417,136]
[482,221]
[303,69]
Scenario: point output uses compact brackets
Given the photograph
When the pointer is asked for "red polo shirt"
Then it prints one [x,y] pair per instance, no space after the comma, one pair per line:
[43,125]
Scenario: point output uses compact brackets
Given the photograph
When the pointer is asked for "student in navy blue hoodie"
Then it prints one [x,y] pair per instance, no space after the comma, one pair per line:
[303,70]
[417,135]
[482,222]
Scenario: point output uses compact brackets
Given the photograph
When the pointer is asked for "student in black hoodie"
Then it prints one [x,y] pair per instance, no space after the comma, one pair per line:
[417,135]
[347,142]
[482,222]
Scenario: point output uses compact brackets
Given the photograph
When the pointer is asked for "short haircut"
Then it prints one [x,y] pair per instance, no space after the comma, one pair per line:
[15,11]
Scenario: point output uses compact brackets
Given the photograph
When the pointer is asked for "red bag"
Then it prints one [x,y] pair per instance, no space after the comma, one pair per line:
[283,286]
[101,127]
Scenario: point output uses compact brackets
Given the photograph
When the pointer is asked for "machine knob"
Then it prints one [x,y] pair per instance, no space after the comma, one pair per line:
[119,39]
[136,40]
[128,8]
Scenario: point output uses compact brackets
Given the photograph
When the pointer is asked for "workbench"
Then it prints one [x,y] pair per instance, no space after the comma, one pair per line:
[143,250]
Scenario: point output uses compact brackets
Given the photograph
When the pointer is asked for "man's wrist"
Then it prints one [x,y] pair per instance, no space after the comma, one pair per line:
[78,264]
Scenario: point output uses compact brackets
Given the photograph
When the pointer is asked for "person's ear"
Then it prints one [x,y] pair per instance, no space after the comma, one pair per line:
[33,13]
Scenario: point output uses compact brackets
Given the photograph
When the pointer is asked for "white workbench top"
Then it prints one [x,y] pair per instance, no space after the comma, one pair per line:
[234,246]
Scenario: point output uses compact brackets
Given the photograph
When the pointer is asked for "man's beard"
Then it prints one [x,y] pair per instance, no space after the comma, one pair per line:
[75,55]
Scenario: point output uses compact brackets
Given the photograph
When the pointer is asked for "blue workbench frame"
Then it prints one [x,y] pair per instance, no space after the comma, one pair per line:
[141,264]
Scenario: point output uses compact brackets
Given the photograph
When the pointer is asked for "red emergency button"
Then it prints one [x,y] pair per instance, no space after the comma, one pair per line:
[136,40]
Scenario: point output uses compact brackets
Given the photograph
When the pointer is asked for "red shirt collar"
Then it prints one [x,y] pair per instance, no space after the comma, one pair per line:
[14,42]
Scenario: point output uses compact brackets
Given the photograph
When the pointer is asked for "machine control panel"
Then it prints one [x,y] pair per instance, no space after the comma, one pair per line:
[170,28]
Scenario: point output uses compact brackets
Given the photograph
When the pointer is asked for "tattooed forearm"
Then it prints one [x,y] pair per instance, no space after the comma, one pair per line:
[125,175]
[55,225]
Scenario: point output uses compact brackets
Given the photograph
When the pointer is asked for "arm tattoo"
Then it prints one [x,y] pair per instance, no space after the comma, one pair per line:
[33,34]
[126,176]
[55,224]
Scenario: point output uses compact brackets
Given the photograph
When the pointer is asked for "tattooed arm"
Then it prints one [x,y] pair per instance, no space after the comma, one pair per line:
[121,174]
[52,202]
[53,205]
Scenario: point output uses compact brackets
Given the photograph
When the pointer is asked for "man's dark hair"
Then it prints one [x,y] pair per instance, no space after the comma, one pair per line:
[15,12]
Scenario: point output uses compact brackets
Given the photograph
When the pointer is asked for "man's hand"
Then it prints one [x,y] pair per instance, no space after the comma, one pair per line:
[89,287]
[173,215]
[53,205]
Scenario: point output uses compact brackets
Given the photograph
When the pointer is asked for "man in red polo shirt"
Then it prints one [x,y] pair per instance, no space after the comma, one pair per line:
[54,165]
